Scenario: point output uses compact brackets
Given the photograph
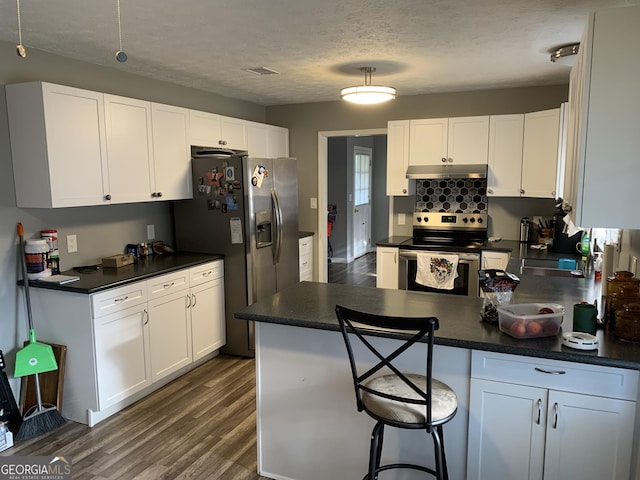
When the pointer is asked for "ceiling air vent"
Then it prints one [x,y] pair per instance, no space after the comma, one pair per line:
[261,71]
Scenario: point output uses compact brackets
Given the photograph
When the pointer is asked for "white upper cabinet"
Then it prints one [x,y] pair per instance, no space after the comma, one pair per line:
[468,142]
[601,179]
[267,141]
[398,159]
[129,149]
[91,148]
[460,140]
[58,145]
[212,130]
[277,141]
[428,141]
[506,133]
[171,152]
[540,153]
[523,154]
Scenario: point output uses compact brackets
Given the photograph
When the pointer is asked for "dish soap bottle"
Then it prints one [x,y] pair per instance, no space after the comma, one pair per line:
[585,247]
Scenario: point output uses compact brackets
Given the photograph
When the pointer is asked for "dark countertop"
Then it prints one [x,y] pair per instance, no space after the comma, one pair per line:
[305,234]
[311,305]
[145,267]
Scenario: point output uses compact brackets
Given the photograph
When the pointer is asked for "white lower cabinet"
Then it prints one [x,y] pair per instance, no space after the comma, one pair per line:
[206,306]
[494,260]
[305,254]
[122,361]
[169,333]
[125,342]
[543,419]
[387,259]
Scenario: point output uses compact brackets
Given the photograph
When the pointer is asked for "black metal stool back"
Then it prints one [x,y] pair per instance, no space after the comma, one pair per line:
[390,396]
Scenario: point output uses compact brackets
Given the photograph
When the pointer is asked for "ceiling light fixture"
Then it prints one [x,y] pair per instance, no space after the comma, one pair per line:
[368,94]
[566,54]
[121,56]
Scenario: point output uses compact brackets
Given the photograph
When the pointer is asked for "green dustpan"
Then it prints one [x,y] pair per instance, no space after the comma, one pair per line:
[35,358]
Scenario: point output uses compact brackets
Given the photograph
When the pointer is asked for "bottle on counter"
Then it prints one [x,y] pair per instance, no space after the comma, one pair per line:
[51,236]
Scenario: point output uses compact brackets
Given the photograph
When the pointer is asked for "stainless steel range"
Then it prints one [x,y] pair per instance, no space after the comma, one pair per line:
[447,234]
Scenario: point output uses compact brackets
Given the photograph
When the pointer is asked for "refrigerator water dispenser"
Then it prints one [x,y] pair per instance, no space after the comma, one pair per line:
[263,229]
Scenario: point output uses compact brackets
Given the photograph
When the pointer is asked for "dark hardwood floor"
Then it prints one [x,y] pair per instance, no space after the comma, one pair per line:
[200,426]
[362,271]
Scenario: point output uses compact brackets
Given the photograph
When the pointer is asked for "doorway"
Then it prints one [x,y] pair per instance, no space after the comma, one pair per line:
[379,202]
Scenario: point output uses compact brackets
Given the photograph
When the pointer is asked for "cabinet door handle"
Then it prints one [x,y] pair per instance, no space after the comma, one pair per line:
[539,405]
[159,194]
[404,190]
[206,274]
[522,191]
[490,191]
[107,197]
[146,317]
[550,372]
[194,300]
[168,285]
[189,302]
[555,415]
[444,160]
[121,299]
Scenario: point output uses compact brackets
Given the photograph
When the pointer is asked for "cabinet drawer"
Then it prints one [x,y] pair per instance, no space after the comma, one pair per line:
[554,374]
[206,273]
[117,299]
[172,282]
[304,246]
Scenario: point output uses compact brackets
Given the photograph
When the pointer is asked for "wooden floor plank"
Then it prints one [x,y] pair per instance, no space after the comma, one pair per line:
[200,426]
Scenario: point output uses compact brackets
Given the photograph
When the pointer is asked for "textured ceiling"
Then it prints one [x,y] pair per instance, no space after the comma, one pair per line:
[318,46]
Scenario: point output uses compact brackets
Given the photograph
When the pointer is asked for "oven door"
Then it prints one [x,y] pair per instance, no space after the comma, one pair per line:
[465,284]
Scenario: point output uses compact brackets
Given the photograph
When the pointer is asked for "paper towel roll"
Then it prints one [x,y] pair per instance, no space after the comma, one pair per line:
[608,254]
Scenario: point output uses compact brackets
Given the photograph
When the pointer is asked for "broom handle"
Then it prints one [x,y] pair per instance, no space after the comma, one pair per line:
[25,277]
[36,379]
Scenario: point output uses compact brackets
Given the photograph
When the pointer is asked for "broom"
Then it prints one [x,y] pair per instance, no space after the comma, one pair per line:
[33,359]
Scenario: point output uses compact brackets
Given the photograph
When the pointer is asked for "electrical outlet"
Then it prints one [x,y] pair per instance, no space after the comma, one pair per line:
[72,243]
[402,219]
[313,202]
[151,232]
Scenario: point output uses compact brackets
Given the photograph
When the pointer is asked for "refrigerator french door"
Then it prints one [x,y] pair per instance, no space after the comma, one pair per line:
[246,209]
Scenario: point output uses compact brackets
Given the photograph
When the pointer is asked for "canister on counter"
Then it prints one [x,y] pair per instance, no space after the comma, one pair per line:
[51,236]
[36,253]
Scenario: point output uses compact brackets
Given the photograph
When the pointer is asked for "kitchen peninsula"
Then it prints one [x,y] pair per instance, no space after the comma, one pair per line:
[308,426]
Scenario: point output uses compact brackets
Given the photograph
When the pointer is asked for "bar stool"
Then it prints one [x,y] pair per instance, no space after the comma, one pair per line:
[390,397]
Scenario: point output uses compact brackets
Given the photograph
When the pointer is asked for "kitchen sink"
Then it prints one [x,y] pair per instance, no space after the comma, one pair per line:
[547,267]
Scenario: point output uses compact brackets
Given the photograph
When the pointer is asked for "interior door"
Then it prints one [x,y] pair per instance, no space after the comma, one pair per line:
[361,201]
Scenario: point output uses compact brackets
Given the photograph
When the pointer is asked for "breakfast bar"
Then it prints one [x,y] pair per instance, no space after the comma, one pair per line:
[308,427]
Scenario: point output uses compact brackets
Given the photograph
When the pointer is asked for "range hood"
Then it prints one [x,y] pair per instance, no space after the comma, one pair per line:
[447,171]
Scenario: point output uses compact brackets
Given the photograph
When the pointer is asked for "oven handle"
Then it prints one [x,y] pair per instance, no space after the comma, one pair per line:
[463,258]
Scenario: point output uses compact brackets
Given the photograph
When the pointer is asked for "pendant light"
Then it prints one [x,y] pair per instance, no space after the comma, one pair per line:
[368,94]
[20,50]
[120,55]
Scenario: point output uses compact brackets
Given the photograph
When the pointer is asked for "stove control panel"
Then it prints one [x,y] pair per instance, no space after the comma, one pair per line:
[439,220]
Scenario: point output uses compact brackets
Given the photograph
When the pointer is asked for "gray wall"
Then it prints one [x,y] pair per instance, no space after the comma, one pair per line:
[103,230]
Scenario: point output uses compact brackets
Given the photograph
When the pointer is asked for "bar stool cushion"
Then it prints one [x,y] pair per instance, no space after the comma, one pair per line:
[444,400]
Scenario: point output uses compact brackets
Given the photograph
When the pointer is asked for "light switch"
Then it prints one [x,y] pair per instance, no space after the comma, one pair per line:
[313,202]
[72,244]
[402,219]
[151,232]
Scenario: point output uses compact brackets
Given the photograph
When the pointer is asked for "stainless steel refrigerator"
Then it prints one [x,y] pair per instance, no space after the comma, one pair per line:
[246,209]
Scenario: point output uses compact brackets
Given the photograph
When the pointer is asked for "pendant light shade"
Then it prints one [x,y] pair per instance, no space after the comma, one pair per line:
[368,94]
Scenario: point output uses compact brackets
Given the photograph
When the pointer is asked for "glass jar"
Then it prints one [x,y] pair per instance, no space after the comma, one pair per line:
[628,323]
[615,282]
[617,300]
